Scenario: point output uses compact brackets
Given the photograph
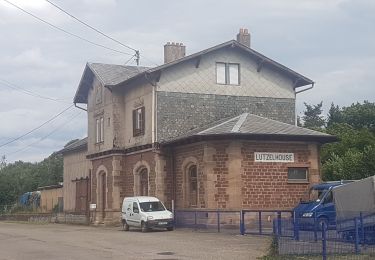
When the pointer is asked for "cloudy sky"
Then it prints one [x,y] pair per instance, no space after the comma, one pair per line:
[329,41]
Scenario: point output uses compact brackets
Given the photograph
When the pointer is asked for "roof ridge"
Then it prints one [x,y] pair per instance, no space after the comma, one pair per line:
[241,120]
[212,127]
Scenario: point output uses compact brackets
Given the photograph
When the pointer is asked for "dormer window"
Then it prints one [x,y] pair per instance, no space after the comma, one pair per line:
[227,73]
[139,121]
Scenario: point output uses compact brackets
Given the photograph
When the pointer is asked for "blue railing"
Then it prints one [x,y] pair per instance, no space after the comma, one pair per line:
[311,236]
[243,222]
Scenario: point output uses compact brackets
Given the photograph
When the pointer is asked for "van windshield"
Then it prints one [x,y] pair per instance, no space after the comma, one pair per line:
[151,206]
[317,195]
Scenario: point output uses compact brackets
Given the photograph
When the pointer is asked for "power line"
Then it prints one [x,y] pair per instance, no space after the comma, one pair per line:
[30,93]
[129,59]
[65,31]
[47,135]
[36,128]
[89,26]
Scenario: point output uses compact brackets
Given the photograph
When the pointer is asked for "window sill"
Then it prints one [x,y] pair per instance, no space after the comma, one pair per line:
[99,143]
[298,182]
[138,135]
[223,84]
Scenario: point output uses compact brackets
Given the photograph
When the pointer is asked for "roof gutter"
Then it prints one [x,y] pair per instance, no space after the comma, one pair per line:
[312,85]
[75,104]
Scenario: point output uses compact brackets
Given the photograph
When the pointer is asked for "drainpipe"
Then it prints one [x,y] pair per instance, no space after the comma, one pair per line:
[295,94]
[173,176]
[153,115]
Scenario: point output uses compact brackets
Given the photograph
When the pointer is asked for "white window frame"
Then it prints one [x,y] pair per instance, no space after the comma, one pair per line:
[306,179]
[227,79]
[139,115]
[99,133]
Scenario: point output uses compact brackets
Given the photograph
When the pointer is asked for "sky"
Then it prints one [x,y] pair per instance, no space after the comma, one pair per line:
[331,42]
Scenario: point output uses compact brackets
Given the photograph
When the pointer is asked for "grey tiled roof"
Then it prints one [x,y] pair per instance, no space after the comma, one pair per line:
[77,145]
[252,125]
[113,75]
[110,74]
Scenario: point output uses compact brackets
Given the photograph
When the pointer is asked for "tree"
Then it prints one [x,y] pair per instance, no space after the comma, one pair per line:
[353,157]
[334,115]
[20,177]
[312,117]
[360,115]
[3,162]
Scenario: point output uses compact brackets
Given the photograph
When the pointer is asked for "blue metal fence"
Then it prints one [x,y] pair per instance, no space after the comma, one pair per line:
[353,237]
[258,222]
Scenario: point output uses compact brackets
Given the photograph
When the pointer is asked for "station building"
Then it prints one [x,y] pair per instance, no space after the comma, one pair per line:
[211,130]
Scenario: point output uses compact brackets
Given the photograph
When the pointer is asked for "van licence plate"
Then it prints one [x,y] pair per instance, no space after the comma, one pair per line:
[163,223]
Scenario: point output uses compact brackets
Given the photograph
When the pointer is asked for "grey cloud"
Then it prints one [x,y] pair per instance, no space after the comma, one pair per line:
[332,42]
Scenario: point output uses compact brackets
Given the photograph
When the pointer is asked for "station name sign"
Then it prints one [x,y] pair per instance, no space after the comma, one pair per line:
[274,157]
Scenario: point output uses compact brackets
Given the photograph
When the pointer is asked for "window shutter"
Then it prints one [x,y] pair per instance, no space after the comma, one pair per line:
[143,120]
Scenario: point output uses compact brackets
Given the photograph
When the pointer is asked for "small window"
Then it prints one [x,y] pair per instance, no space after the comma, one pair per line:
[328,198]
[227,73]
[99,130]
[297,174]
[139,121]
[193,185]
[135,207]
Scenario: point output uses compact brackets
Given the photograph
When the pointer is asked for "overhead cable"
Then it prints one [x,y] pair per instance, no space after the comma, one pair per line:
[70,119]
[36,128]
[89,26]
[65,31]
[28,92]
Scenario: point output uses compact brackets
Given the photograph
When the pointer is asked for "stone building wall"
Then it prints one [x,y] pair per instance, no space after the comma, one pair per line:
[266,185]
[230,179]
[188,96]
[181,112]
[183,158]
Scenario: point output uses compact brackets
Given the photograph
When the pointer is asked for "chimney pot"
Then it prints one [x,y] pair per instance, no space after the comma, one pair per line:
[174,51]
[243,37]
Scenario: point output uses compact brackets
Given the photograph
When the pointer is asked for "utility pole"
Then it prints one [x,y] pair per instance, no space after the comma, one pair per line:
[137,57]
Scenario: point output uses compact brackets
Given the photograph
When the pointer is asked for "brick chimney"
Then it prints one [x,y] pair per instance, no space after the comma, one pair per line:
[173,51]
[243,37]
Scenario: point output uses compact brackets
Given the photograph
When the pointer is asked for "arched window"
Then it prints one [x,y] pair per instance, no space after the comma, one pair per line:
[192,180]
[143,182]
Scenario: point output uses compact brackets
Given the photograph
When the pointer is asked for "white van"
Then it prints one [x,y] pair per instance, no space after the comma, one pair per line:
[145,212]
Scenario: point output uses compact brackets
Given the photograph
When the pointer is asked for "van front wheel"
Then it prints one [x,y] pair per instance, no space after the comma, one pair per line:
[144,227]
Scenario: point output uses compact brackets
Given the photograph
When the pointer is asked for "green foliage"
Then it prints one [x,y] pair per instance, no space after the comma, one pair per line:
[312,117]
[20,177]
[353,157]
[3,162]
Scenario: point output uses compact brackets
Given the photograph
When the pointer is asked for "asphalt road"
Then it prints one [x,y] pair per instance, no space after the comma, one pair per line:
[59,241]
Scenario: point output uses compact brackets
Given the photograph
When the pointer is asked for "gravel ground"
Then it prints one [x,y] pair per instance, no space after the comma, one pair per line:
[59,241]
